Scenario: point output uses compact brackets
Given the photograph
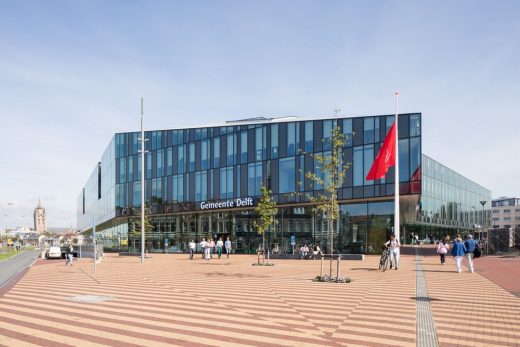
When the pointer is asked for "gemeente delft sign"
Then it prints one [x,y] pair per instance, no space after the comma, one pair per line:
[204,205]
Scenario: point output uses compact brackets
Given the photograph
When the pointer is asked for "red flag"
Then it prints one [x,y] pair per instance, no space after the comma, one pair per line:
[385,158]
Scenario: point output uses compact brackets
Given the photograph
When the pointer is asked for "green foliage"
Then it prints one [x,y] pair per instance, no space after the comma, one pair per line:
[148,226]
[333,169]
[266,210]
[327,278]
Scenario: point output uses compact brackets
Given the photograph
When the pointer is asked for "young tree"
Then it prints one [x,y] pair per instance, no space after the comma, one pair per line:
[330,178]
[148,226]
[266,210]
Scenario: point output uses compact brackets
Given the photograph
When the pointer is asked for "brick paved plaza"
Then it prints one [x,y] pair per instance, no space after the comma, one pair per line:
[170,300]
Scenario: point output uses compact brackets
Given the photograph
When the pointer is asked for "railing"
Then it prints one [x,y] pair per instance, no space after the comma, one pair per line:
[502,240]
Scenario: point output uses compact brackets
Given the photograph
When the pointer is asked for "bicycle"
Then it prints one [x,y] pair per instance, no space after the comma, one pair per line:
[385,259]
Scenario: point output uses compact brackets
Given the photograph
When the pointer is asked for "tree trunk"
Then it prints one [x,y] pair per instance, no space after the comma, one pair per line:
[331,239]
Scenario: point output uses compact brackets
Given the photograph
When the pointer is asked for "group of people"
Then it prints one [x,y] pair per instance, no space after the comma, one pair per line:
[210,246]
[459,250]
[306,253]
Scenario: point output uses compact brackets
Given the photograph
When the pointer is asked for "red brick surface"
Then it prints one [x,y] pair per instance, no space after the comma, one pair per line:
[172,301]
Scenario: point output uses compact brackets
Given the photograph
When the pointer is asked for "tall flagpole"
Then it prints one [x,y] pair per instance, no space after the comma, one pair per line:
[142,185]
[396,178]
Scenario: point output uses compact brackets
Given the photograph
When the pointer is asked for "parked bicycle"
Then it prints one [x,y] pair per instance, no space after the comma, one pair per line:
[385,259]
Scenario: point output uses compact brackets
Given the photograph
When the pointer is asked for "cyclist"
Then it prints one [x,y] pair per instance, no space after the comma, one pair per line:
[393,251]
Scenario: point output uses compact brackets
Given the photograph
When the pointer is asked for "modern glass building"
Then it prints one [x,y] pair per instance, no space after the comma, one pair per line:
[205,182]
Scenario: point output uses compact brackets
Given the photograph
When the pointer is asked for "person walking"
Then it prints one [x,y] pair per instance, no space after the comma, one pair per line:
[393,248]
[203,247]
[207,250]
[211,248]
[470,245]
[227,245]
[70,255]
[219,247]
[191,247]
[458,251]
[442,249]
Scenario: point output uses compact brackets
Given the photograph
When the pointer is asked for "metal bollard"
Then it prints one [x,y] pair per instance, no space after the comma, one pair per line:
[321,271]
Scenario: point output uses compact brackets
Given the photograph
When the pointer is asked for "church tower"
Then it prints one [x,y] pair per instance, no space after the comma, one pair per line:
[40,219]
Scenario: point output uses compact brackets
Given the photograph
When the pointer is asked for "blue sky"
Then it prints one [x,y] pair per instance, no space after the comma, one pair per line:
[72,72]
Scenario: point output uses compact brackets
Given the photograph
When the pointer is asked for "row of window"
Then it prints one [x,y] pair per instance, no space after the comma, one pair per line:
[309,136]
[517,210]
[506,219]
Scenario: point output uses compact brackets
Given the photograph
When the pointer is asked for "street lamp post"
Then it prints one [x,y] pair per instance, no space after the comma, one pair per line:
[483,202]
[142,139]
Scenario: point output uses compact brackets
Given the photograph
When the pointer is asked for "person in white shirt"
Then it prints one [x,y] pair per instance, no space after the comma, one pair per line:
[227,244]
[393,248]
[203,246]
[220,244]
[191,246]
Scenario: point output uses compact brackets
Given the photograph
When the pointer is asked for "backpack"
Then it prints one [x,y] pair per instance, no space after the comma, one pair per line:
[477,252]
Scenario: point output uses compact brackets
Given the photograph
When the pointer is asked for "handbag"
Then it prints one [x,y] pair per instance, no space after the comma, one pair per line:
[477,252]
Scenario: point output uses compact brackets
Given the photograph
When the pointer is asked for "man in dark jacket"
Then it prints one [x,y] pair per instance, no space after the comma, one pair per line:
[470,247]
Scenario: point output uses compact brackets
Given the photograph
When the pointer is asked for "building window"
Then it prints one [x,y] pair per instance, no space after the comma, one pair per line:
[160,163]
[254,179]
[274,141]
[415,158]
[286,175]
[169,161]
[204,155]
[181,162]
[347,131]
[139,169]
[327,128]
[201,186]
[243,146]
[177,188]
[415,125]
[368,160]
[122,170]
[357,166]
[137,194]
[149,165]
[368,130]
[309,135]
[231,149]
[226,182]
[404,161]
[192,157]
[156,191]
[260,143]
[216,152]
[507,210]
[130,169]
[507,219]
[291,139]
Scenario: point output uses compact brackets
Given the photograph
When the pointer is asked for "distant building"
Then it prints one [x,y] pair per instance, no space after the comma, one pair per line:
[506,223]
[40,218]
[506,212]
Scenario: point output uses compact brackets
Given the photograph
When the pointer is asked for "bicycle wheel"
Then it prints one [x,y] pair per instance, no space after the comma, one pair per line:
[385,260]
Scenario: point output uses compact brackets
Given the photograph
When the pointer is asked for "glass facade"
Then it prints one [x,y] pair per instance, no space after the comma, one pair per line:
[188,170]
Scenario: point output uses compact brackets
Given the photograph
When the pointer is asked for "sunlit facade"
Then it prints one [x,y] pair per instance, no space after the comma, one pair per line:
[205,182]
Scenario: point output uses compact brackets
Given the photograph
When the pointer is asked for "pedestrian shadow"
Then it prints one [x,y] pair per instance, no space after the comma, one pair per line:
[436,270]
[237,275]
